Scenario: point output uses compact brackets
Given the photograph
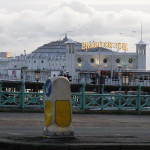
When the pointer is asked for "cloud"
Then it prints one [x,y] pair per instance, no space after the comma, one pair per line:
[29,29]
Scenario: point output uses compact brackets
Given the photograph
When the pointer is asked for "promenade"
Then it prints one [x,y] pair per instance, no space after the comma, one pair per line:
[92,131]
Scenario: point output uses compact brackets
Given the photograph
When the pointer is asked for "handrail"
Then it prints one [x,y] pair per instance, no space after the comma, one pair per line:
[82,100]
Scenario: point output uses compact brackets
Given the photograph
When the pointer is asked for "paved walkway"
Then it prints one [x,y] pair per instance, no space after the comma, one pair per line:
[98,130]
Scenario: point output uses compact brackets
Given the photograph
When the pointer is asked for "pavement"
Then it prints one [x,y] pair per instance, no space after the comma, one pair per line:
[92,131]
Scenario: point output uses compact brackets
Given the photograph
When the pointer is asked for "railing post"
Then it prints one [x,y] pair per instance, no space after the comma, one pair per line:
[0,91]
[43,92]
[101,95]
[22,94]
[102,90]
[0,85]
[138,100]
[83,97]
[120,95]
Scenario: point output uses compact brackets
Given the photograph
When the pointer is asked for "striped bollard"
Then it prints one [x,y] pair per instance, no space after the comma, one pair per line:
[58,108]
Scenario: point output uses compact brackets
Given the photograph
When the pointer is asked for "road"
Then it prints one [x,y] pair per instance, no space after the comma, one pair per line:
[103,128]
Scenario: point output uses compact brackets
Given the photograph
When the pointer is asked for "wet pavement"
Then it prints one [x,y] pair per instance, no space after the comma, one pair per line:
[90,129]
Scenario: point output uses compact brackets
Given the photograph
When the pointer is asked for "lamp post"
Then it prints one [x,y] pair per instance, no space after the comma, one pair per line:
[37,75]
[99,80]
[63,68]
[22,69]
[125,80]
[61,73]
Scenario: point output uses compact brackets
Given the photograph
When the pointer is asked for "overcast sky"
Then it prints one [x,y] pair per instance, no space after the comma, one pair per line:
[28,24]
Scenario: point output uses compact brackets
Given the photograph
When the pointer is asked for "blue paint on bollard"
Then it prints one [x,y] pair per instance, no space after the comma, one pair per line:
[48,88]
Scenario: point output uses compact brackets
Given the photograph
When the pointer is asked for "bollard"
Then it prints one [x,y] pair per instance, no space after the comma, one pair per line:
[58,108]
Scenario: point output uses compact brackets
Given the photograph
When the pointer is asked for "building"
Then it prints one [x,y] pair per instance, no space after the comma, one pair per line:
[67,56]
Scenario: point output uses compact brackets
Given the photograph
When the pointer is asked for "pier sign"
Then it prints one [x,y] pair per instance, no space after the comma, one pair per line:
[120,46]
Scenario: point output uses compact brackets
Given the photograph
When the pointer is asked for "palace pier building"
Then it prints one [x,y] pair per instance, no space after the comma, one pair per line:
[81,62]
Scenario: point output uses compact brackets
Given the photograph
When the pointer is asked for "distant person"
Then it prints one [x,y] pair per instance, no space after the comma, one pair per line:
[141,78]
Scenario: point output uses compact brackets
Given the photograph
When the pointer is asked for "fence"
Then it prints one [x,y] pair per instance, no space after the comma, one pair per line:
[116,101]
[82,100]
[21,99]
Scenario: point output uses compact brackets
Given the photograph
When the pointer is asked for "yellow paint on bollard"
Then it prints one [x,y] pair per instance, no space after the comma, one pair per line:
[62,113]
[48,113]
[58,110]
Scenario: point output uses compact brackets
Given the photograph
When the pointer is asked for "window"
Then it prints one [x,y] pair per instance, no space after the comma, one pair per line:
[117,60]
[79,60]
[73,48]
[42,61]
[130,60]
[34,61]
[92,60]
[105,60]
[69,48]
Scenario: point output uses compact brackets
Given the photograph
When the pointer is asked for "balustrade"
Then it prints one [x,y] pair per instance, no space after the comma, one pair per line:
[83,100]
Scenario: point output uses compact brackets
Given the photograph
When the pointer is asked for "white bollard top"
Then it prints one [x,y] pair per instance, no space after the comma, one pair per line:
[57,88]
[58,108]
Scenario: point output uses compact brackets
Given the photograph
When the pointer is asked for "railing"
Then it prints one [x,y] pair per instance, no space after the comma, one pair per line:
[116,101]
[134,82]
[82,100]
[107,81]
[10,78]
[21,99]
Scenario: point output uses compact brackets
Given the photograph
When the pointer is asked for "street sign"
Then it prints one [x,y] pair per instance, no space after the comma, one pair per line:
[57,108]
[48,88]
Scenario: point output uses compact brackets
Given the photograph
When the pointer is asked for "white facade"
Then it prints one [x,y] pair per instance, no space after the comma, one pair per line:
[67,56]
[141,55]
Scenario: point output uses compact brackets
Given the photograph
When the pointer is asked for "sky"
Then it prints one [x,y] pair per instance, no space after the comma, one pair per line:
[28,24]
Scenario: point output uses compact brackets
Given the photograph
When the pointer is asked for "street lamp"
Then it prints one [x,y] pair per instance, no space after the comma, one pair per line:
[22,69]
[125,78]
[99,80]
[37,75]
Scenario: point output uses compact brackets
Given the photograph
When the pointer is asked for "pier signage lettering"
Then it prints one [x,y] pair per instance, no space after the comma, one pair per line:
[120,46]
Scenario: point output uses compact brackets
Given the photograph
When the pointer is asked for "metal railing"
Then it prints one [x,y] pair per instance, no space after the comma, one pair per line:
[82,100]
[115,101]
[21,99]
[134,82]
[107,81]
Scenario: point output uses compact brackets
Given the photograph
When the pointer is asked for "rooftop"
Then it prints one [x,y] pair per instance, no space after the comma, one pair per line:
[141,43]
